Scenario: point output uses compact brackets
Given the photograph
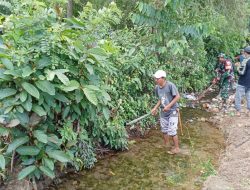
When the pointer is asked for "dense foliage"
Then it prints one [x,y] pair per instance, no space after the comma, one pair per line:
[68,85]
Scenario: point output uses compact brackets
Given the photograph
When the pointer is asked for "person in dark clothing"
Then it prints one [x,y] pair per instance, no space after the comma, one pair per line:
[243,87]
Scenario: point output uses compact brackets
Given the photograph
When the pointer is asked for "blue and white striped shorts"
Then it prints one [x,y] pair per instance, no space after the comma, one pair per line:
[169,125]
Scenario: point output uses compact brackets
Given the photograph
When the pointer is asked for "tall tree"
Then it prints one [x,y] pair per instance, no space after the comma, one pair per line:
[70,8]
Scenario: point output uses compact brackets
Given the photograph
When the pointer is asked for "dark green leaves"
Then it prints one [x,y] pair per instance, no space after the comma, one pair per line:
[41,136]
[43,62]
[70,86]
[39,110]
[7,63]
[46,86]
[47,171]
[26,171]
[16,143]
[61,76]
[48,163]
[97,51]
[31,89]
[28,150]
[27,105]
[23,96]
[26,71]
[2,162]
[59,155]
[6,92]
[90,94]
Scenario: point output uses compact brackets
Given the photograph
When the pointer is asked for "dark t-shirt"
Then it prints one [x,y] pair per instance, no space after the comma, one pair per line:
[244,80]
[166,94]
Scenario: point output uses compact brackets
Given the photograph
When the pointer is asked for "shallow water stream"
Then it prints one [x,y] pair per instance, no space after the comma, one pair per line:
[146,165]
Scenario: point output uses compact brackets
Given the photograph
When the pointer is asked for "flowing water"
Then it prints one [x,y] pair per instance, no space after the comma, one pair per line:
[146,165]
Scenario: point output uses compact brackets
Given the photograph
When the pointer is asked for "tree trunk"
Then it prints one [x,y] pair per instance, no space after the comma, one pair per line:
[70,9]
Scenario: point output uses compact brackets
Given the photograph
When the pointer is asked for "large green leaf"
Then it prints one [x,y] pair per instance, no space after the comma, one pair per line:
[61,98]
[76,108]
[31,89]
[41,136]
[2,55]
[91,95]
[4,131]
[48,172]
[79,95]
[28,150]
[106,112]
[20,109]
[50,75]
[66,112]
[70,86]
[43,62]
[54,139]
[26,71]
[26,171]
[77,23]
[23,118]
[97,51]
[14,73]
[27,105]
[39,110]
[49,163]
[61,76]
[7,63]
[3,76]
[59,155]
[106,96]
[2,162]
[92,87]
[8,109]
[16,143]
[23,96]
[46,86]
[28,161]
[89,68]
[6,92]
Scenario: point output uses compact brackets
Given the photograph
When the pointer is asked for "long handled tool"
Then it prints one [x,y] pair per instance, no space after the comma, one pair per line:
[203,93]
[138,119]
[180,123]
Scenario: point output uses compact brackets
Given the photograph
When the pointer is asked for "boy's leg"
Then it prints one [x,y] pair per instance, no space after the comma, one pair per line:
[172,131]
[166,139]
[164,129]
[176,144]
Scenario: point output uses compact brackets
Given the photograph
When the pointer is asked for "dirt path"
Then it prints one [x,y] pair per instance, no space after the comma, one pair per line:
[234,169]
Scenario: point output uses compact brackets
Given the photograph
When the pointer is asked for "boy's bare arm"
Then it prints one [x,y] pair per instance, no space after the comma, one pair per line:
[168,107]
[154,110]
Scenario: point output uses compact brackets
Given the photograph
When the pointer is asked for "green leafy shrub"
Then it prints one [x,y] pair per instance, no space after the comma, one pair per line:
[69,84]
[53,79]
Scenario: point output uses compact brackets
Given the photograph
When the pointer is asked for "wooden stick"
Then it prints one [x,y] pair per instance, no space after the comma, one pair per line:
[203,93]
[180,124]
[12,161]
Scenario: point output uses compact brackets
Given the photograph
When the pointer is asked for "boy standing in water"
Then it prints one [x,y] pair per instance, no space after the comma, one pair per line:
[168,96]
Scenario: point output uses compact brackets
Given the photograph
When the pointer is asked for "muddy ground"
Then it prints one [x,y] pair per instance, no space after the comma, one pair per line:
[234,168]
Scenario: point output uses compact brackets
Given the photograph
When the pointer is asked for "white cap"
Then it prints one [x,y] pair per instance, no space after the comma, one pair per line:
[159,74]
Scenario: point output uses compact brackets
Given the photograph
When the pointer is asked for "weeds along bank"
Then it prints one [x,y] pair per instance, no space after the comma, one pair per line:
[68,84]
